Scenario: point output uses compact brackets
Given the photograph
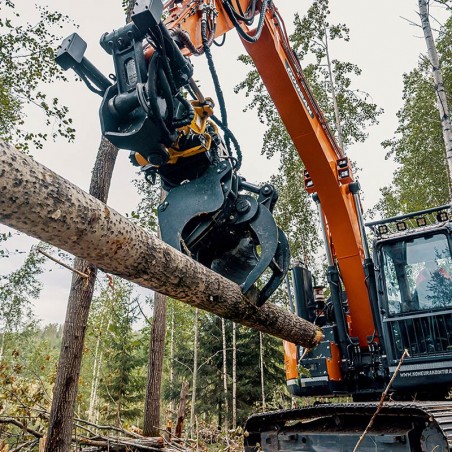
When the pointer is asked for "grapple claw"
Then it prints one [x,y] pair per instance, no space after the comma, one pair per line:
[232,233]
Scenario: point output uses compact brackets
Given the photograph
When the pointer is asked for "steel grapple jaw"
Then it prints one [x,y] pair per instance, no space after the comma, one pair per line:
[212,220]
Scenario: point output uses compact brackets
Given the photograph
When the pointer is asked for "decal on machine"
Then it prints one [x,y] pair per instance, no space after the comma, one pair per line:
[294,81]
[424,370]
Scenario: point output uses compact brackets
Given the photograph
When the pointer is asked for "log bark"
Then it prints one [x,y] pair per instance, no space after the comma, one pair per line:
[40,203]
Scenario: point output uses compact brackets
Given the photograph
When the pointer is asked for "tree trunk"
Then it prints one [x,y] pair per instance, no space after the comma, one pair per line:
[40,203]
[181,410]
[234,376]
[155,366]
[195,374]
[155,363]
[261,366]
[439,88]
[337,116]
[225,379]
[173,402]
[66,384]
[96,372]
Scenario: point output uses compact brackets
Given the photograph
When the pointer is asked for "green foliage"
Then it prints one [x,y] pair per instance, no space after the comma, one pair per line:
[421,180]
[27,373]
[4,236]
[26,63]
[210,401]
[122,382]
[16,292]
[146,212]
[312,34]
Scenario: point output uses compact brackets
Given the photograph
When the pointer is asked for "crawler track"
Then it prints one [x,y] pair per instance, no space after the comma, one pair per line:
[407,426]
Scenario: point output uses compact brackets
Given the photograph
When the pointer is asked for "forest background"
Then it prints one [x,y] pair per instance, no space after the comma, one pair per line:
[112,382]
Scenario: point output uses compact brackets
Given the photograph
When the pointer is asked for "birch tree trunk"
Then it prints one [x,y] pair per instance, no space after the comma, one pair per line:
[337,116]
[40,203]
[234,376]
[261,365]
[439,87]
[195,374]
[96,374]
[173,402]
[225,378]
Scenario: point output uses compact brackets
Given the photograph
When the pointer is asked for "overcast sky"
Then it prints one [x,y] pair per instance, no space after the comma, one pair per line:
[383,44]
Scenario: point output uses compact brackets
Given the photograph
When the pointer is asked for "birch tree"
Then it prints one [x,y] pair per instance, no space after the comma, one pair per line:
[234,376]
[225,377]
[26,65]
[348,110]
[195,373]
[441,96]
[261,368]
[421,179]
[17,290]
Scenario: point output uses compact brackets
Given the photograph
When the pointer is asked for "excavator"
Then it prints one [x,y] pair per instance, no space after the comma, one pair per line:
[388,301]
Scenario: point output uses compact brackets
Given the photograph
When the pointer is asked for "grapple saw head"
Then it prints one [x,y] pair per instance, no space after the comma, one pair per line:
[144,109]
[234,234]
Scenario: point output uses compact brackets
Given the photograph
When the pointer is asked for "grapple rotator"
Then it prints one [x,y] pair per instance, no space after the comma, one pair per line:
[144,109]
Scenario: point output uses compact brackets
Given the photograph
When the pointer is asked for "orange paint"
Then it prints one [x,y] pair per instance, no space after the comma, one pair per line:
[333,364]
[282,76]
[290,360]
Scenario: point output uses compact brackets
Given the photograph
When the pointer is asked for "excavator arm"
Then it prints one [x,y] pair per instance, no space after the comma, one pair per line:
[145,110]
[328,172]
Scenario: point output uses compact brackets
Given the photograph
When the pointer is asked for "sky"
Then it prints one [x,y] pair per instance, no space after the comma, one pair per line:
[383,43]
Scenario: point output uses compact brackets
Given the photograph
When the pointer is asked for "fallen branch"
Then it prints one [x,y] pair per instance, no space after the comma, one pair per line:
[72,269]
[21,425]
[40,203]
[134,440]
[382,400]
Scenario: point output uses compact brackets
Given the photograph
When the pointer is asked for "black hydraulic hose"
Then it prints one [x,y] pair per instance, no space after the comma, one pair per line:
[220,44]
[167,96]
[88,83]
[216,80]
[229,135]
[232,16]
[188,118]
[167,67]
[185,40]
[152,94]
[247,17]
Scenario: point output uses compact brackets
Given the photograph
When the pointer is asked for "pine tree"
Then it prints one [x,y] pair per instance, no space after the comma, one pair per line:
[122,386]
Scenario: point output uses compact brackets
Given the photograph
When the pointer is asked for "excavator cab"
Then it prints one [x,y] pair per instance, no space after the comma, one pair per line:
[211,212]
[413,261]
[412,305]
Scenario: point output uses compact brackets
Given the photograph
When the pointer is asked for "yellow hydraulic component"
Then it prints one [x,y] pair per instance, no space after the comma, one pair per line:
[197,129]
[203,110]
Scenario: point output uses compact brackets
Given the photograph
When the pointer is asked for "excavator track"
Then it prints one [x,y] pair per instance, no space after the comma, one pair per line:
[399,426]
